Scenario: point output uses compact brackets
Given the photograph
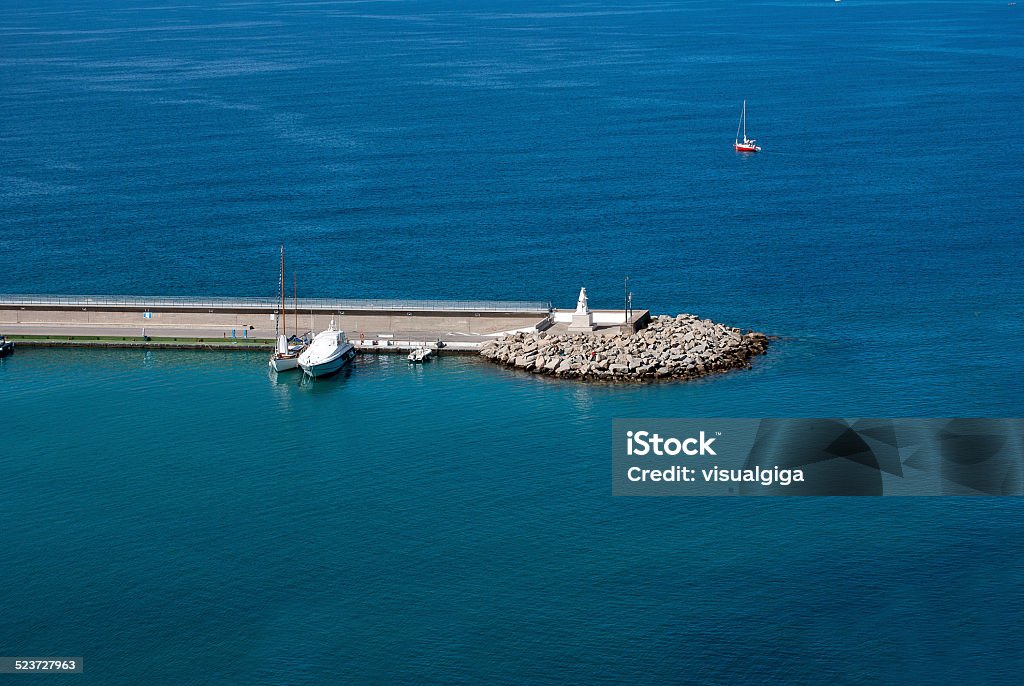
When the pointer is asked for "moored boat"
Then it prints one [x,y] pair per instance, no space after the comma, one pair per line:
[286,356]
[6,347]
[420,354]
[329,352]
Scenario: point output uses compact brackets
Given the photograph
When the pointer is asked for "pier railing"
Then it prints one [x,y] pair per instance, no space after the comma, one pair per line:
[273,304]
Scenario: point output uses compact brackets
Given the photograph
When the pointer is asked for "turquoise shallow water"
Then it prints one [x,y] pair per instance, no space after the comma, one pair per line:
[182,518]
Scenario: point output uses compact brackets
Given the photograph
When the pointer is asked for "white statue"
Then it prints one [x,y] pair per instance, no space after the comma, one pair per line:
[582,318]
[581,304]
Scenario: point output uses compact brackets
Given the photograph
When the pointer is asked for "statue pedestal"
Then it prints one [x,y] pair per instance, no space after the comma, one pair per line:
[582,322]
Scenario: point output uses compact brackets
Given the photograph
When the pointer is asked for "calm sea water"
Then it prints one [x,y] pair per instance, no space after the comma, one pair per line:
[185,518]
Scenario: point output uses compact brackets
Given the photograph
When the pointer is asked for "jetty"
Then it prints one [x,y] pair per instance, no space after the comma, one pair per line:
[532,336]
[386,325]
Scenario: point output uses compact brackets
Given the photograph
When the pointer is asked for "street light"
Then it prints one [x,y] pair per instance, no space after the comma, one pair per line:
[627,300]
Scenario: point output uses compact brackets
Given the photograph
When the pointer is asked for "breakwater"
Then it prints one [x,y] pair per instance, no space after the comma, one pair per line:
[528,335]
[681,347]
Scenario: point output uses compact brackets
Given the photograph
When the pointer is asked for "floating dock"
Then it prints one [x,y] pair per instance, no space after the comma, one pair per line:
[252,323]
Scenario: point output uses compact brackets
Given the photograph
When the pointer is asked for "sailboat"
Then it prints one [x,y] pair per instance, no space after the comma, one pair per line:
[748,144]
[286,353]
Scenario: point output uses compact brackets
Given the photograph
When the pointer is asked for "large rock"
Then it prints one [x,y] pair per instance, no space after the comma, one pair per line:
[678,347]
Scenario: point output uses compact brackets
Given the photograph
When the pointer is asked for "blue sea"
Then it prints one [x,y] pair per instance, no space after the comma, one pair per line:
[186,518]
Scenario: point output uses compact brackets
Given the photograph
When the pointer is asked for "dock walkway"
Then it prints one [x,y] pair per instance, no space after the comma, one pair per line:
[385,325]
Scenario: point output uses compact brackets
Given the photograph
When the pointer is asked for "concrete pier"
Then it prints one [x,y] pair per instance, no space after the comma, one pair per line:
[375,325]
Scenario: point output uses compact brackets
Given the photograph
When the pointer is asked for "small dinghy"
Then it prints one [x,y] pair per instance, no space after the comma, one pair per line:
[420,355]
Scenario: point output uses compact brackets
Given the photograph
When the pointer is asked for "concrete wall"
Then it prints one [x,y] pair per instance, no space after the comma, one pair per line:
[601,317]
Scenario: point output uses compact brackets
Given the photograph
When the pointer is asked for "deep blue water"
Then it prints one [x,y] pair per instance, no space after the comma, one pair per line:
[181,518]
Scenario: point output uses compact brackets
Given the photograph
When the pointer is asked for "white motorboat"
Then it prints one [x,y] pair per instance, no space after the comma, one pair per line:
[286,356]
[420,354]
[329,352]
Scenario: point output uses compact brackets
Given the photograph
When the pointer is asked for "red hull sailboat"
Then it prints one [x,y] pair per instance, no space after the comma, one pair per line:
[747,144]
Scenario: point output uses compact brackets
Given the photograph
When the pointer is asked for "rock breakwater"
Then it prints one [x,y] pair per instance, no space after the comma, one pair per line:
[681,347]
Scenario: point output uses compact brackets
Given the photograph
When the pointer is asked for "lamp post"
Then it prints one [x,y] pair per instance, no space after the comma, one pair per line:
[626,298]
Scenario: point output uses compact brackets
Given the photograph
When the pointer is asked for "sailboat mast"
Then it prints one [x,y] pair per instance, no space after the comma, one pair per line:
[282,291]
[738,126]
[295,304]
[744,121]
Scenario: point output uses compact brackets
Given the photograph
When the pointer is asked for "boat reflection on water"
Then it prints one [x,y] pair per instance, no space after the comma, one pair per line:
[284,381]
[312,382]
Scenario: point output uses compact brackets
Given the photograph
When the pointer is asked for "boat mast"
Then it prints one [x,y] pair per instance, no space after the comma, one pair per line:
[743,115]
[744,121]
[295,304]
[282,290]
